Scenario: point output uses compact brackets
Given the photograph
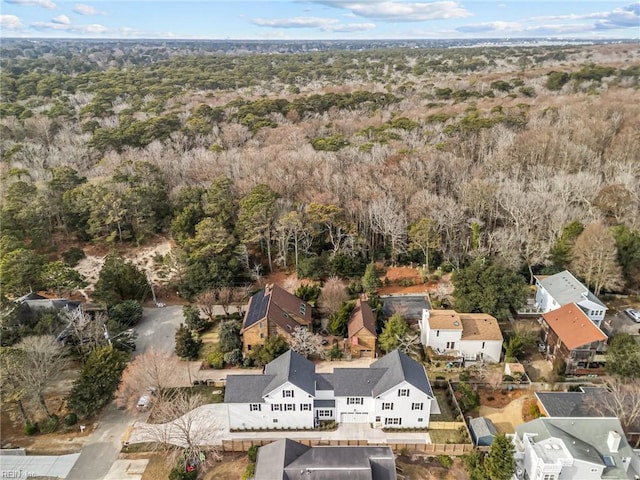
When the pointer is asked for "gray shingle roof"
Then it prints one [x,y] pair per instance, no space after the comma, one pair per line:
[324,403]
[356,381]
[483,431]
[285,459]
[246,388]
[565,288]
[274,457]
[400,367]
[585,438]
[291,367]
[324,381]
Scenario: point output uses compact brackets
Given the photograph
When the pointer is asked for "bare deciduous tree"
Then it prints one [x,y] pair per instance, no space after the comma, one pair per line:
[332,296]
[151,372]
[42,362]
[594,258]
[622,400]
[186,432]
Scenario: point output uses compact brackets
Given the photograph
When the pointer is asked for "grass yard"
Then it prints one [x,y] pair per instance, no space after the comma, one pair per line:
[448,413]
[448,436]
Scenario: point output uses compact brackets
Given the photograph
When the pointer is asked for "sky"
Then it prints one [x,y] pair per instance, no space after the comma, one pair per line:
[320,19]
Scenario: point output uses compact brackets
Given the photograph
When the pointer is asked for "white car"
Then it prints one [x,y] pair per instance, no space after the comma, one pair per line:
[143,402]
[633,314]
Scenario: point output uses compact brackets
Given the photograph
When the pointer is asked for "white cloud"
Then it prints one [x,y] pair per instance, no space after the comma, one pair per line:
[320,23]
[69,28]
[83,9]
[34,3]
[490,27]
[61,19]
[394,11]
[10,22]
[625,17]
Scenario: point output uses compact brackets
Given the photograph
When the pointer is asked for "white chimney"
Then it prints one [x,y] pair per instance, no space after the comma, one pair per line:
[613,441]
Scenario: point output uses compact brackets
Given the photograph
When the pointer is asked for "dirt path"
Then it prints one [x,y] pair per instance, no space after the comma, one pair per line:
[508,418]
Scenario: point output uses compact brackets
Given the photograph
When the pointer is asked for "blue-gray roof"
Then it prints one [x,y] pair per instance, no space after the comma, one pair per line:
[483,431]
[355,381]
[286,459]
[294,368]
[400,367]
[324,381]
[324,403]
[246,388]
[257,309]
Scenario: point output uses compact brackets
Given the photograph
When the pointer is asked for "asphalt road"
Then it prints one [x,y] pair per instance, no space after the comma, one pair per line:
[156,328]
[620,322]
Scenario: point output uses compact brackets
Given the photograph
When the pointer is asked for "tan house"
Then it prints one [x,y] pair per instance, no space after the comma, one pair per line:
[273,311]
[363,341]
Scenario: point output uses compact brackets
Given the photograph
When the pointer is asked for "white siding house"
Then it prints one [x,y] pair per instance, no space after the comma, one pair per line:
[471,336]
[573,449]
[394,392]
[555,291]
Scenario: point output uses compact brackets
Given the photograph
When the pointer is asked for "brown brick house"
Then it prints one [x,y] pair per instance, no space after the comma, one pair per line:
[363,341]
[273,311]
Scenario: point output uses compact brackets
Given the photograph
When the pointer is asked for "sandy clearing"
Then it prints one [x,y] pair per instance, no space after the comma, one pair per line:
[508,418]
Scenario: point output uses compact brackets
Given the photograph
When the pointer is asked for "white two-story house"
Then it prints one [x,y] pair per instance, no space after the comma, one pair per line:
[574,449]
[555,291]
[394,392]
[472,336]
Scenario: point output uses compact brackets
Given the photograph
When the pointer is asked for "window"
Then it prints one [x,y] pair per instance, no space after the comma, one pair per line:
[262,335]
[377,419]
[276,407]
[416,406]
[262,324]
[290,407]
[393,421]
[248,347]
[549,476]
[324,413]
[287,393]
[420,420]
[387,406]
[305,407]
[451,345]
[437,333]
[254,407]
[403,392]
[355,401]
[275,420]
[483,344]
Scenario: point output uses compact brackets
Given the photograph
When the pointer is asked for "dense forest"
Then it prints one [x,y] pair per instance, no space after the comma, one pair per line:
[320,161]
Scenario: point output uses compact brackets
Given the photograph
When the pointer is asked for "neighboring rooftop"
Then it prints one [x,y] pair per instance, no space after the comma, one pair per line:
[565,288]
[474,326]
[279,306]
[288,460]
[587,439]
[483,431]
[361,318]
[573,327]
[444,320]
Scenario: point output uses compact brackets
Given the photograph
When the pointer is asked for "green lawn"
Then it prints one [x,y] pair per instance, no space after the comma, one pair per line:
[448,414]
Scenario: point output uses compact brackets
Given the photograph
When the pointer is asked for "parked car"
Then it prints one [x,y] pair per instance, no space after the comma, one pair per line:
[143,402]
[633,314]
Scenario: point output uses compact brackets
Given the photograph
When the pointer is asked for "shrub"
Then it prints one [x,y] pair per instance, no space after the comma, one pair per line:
[252,453]
[445,460]
[249,472]
[534,410]
[491,398]
[50,424]
[73,256]
[30,428]
[216,359]
[70,419]
[178,473]
[234,357]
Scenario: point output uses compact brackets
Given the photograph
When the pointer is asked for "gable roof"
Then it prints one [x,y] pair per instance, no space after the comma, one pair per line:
[286,459]
[274,457]
[584,438]
[279,306]
[361,317]
[444,320]
[400,367]
[573,327]
[571,404]
[294,368]
[483,431]
[355,381]
[565,288]
[289,367]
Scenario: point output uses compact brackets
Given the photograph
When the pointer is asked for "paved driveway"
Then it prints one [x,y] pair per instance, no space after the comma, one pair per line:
[620,322]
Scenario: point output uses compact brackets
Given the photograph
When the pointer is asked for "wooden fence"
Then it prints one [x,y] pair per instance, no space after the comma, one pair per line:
[446,425]
[243,445]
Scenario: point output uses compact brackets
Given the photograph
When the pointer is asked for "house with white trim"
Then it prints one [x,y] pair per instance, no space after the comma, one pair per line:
[471,336]
[555,291]
[393,392]
[574,449]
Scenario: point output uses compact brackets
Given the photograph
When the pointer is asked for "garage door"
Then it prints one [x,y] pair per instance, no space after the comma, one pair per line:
[354,417]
